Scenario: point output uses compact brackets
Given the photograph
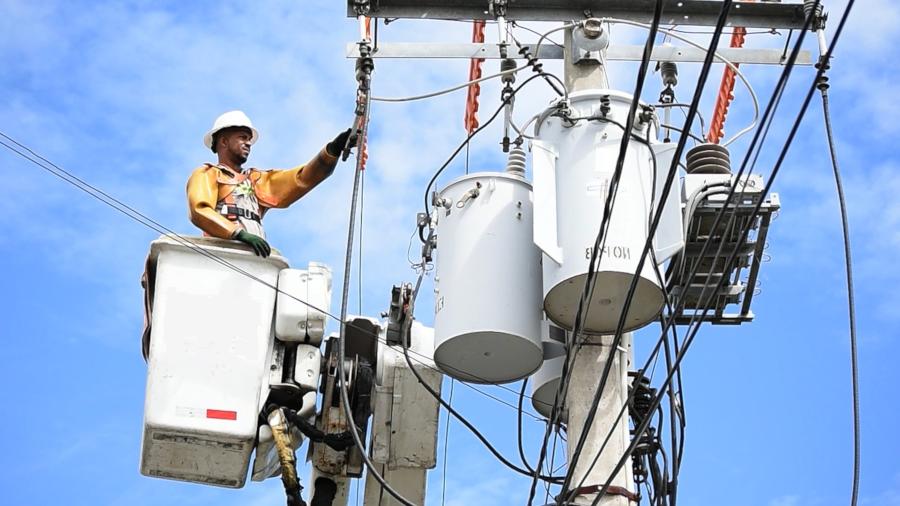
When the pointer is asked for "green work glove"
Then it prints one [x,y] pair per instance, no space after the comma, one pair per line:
[336,146]
[259,245]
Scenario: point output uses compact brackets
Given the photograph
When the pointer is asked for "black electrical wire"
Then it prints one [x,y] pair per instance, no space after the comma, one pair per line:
[693,330]
[362,206]
[468,138]
[539,34]
[536,66]
[704,73]
[645,252]
[676,438]
[519,428]
[447,446]
[487,444]
[31,156]
[345,293]
[653,158]
[770,110]
[851,304]
[562,389]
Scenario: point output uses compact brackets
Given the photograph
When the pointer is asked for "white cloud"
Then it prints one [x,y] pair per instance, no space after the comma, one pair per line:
[121,94]
[788,500]
[888,497]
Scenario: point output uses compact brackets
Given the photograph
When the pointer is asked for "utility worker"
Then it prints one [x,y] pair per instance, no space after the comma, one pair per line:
[228,201]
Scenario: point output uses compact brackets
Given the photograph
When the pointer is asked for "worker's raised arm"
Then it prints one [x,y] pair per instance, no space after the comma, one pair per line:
[281,188]
[202,195]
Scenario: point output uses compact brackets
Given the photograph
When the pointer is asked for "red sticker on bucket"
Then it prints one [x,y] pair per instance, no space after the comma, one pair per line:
[221,415]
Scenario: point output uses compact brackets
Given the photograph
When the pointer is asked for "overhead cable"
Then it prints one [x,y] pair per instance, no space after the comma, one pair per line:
[693,331]
[726,61]
[451,89]
[851,304]
[698,92]
[35,158]
[600,241]
[487,444]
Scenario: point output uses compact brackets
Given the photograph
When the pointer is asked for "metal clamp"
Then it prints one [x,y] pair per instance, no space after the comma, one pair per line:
[362,7]
[497,8]
[469,195]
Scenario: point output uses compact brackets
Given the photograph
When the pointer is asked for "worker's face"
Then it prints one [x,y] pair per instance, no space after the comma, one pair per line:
[234,143]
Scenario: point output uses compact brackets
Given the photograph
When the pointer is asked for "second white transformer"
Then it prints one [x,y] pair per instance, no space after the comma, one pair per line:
[488,280]
[574,159]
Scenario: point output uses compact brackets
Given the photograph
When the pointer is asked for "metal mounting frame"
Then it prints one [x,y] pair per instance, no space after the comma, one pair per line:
[548,51]
[675,12]
[734,291]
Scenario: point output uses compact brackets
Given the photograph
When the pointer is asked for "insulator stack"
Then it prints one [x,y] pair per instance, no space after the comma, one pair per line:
[813,8]
[669,72]
[506,65]
[515,165]
[816,10]
[708,159]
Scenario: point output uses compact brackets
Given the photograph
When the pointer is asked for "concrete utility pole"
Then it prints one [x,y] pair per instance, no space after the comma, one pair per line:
[585,57]
[586,370]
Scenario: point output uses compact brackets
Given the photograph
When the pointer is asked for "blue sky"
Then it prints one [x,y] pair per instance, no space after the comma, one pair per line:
[120,93]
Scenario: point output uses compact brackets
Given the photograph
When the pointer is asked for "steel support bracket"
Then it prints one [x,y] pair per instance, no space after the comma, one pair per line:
[683,54]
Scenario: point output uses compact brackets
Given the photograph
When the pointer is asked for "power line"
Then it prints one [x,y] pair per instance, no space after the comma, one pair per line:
[363,118]
[607,369]
[664,328]
[596,251]
[851,304]
[446,445]
[692,333]
[785,74]
[487,444]
[769,110]
[35,158]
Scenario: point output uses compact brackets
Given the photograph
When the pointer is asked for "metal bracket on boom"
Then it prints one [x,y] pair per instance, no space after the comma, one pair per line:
[399,319]
[360,349]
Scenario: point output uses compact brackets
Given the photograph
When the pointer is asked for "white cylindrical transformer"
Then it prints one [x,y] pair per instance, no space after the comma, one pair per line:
[487,281]
[545,382]
[574,159]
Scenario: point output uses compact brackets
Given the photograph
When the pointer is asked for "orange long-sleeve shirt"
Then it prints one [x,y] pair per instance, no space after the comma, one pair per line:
[209,184]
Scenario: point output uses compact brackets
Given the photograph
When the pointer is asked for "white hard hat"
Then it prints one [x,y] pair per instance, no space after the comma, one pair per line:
[230,119]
